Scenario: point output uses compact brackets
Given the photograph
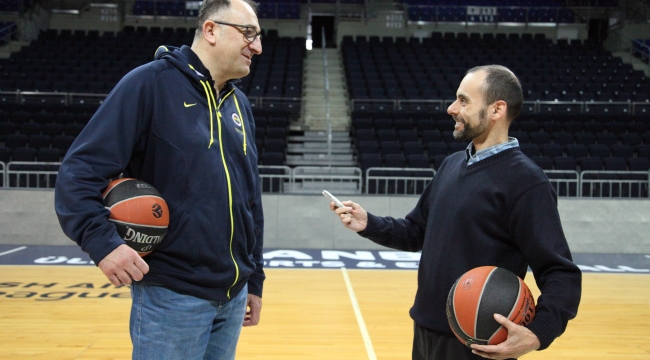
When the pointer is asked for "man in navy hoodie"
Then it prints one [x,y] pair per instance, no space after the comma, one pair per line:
[487,205]
[180,124]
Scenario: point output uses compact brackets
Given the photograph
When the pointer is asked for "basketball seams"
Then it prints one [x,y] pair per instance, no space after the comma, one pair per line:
[136,224]
[480,299]
[132,198]
[515,305]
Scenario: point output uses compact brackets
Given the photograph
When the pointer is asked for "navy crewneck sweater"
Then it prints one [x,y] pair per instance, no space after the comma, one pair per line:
[500,211]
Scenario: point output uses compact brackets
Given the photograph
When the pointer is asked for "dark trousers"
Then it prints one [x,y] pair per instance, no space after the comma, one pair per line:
[434,345]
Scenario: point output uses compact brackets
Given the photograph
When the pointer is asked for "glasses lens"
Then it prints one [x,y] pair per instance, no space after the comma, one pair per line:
[250,34]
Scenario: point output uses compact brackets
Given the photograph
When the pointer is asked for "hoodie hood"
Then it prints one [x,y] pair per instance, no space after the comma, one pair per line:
[186,60]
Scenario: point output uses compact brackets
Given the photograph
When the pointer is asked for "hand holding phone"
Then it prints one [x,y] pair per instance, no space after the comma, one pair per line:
[336,201]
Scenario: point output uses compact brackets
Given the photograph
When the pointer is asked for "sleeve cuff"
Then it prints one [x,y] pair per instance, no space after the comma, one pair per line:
[543,331]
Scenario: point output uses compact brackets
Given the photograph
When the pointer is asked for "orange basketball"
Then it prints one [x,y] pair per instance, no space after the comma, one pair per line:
[479,294]
[139,213]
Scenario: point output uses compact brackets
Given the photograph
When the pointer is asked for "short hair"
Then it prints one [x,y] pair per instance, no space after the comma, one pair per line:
[501,84]
[210,7]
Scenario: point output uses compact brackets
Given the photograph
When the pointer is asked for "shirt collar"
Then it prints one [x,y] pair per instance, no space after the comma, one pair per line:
[486,153]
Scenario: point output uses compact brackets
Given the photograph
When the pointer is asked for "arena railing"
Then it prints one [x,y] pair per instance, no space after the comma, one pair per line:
[29,174]
[315,179]
[397,181]
[565,182]
[618,184]
[379,180]
[538,106]
[44,98]
[274,178]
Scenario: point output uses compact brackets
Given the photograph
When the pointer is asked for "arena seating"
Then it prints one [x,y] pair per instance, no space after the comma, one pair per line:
[432,69]
[588,146]
[97,62]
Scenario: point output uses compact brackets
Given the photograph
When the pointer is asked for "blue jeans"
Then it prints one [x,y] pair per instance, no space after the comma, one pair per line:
[168,325]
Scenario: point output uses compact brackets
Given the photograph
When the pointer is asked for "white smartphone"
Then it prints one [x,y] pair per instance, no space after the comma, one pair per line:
[333,198]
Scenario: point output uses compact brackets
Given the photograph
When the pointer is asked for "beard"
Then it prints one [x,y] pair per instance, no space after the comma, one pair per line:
[469,132]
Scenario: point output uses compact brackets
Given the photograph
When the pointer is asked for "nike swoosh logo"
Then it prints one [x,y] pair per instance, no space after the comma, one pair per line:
[188,105]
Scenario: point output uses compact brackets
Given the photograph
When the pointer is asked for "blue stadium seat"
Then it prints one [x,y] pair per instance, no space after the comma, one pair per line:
[418,161]
[564,163]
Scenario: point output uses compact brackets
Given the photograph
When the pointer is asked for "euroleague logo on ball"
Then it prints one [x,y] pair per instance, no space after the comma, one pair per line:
[467,284]
[157,211]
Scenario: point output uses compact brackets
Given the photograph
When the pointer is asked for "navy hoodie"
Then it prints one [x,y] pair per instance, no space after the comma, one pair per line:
[163,123]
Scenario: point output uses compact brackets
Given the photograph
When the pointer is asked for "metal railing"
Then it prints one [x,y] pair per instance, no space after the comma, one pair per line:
[565,182]
[619,184]
[274,178]
[314,179]
[352,180]
[40,175]
[538,106]
[399,181]
[289,104]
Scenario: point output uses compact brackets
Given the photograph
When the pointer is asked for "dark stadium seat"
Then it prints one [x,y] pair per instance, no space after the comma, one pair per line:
[590,164]
[5,154]
[48,155]
[395,160]
[390,147]
[599,150]
[531,150]
[368,147]
[615,164]
[23,154]
[638,164]
[370,160]
[576,151]
[552,150]
[543,162]
[564,163]
[418,161]
[624,151]
[413,148]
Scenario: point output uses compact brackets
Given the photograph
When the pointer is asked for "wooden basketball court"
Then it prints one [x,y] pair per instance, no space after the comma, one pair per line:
[67,312]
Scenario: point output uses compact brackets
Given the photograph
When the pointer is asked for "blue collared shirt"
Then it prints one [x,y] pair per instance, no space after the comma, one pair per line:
[486,153]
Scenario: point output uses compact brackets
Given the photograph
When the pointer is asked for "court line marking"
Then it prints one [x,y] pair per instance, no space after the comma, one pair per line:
[13,250]
[357,312]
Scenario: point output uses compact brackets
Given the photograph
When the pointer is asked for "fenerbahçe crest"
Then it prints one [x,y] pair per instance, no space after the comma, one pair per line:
[236,119]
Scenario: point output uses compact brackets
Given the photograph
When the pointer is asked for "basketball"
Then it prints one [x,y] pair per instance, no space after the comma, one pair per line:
[479,294]
[139,213]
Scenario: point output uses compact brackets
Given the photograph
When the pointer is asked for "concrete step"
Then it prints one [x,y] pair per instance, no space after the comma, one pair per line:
[321,145]
[301,149]
[319,162]
[316,187]
[320,136]
[334,157]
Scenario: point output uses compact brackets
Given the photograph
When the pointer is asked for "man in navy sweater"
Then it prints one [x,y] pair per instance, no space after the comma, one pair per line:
[487,205]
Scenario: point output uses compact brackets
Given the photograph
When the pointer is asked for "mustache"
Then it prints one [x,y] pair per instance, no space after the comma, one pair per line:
[458,118]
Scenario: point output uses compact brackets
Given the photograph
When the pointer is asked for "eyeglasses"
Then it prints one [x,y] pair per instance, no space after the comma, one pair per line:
[249,31]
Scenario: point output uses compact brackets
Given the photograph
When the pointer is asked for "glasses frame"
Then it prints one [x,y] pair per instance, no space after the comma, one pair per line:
[245,27]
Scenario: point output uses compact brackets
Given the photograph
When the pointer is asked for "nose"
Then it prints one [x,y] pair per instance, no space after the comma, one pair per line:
[256,46]
[453,108]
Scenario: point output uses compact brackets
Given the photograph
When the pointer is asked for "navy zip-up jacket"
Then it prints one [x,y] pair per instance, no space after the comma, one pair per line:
[164,124]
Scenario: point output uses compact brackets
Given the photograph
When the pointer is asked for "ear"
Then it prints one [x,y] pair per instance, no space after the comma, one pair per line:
[499,110]
[210,30]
